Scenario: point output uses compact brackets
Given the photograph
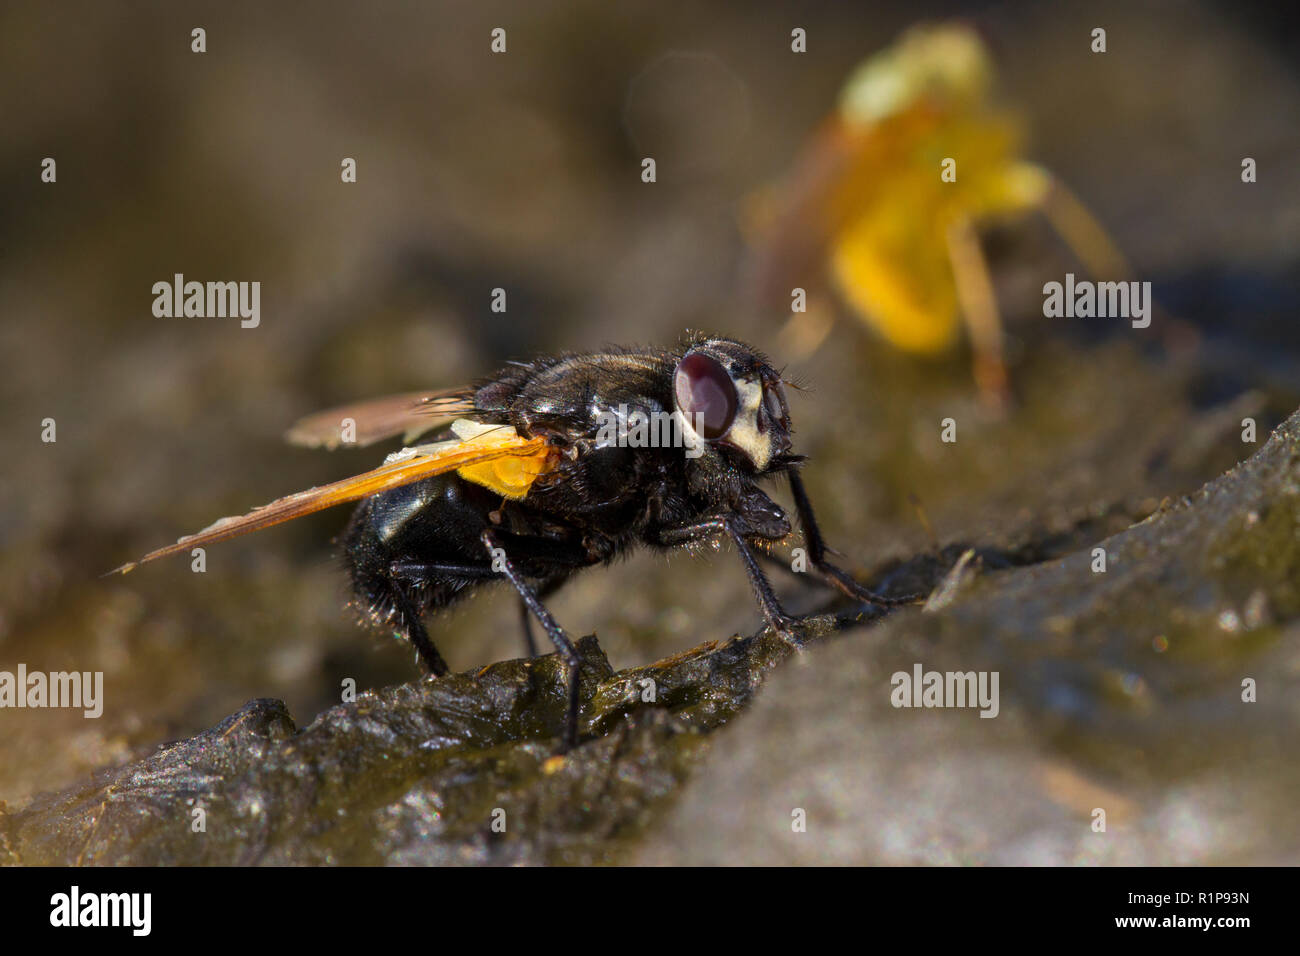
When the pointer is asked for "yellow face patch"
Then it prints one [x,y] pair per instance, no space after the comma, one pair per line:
[744,430]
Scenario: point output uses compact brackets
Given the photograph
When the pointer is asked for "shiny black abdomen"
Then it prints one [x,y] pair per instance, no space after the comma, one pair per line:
[419,547]
[436,521]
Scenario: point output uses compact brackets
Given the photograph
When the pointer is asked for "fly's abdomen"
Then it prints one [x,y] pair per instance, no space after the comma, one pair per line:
[400,545]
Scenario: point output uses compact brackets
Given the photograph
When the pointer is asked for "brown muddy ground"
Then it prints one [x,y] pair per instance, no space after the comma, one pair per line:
[1120,691]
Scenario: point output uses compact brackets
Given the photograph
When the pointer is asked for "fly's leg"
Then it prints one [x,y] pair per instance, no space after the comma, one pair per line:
[473,572]
[817,552]
[777,563]
[526,623]
[411,624]
[553,631]
[736,528]
[399,571]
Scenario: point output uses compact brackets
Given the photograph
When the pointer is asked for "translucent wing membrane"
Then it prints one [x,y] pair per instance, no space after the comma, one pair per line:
[493,456]
[410,414]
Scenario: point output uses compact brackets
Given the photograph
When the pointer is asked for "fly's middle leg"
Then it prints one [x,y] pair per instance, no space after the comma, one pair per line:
[553,630]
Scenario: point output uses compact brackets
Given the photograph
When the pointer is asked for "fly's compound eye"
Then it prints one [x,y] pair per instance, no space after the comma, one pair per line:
[705,394]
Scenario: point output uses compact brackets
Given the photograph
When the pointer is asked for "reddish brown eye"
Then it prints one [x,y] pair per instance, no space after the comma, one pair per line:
[705,389]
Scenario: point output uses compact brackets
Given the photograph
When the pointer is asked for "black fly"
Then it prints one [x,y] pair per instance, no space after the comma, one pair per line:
[553,466]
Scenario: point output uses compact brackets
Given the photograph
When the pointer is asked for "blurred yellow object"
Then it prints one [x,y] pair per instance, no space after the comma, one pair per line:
[888,195]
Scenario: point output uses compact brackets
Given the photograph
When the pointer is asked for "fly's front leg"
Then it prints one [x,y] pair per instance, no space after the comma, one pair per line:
[817,552]
[740,531]
[552,628]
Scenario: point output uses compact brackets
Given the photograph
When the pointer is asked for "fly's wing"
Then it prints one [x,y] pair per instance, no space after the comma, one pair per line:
[496,457]
[409,414]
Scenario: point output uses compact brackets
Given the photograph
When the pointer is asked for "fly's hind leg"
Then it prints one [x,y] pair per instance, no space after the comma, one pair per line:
[477,572]
[408,612]
[553,630]
[409,620]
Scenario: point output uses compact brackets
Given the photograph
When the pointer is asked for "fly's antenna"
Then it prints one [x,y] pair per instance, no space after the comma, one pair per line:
[798,382]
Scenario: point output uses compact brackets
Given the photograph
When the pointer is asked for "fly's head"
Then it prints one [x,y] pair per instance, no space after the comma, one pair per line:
[733,407]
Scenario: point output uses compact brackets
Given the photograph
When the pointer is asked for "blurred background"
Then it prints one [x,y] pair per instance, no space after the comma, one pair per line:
[523,171]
